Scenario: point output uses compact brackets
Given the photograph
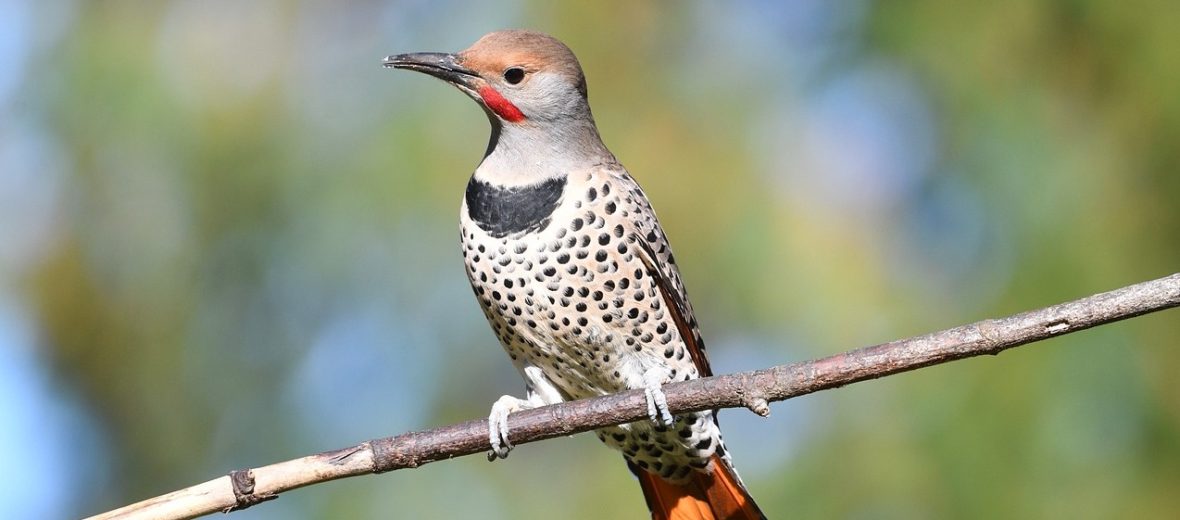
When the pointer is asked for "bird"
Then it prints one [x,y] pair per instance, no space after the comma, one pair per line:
[574,273]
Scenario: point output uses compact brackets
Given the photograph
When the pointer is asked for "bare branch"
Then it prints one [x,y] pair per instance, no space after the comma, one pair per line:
[753,390]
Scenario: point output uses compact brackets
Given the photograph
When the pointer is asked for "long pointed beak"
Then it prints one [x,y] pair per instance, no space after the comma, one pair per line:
[438,64]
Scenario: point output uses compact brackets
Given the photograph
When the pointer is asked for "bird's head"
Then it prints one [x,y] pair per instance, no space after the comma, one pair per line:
[519,77]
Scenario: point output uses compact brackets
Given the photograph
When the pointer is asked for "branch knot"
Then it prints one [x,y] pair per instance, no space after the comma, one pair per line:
[243,484]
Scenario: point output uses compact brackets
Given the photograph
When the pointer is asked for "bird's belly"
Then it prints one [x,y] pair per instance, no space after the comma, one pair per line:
[590,343]
[577,304]
[540,307]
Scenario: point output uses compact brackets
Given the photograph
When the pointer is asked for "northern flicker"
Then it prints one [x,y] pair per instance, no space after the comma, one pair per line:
[574,273]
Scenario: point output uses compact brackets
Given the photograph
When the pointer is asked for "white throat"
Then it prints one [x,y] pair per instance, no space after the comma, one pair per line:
[527,153]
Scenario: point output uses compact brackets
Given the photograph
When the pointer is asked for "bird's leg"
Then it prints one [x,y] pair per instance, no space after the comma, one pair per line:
[539,391]
[657,402]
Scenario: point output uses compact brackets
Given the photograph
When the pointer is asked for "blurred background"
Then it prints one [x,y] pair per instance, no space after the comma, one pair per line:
[228,237]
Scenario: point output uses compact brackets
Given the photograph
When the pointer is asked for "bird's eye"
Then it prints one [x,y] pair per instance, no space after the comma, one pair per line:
[514,75]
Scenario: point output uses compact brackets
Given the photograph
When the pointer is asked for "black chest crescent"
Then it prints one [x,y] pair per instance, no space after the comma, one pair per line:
[505,211]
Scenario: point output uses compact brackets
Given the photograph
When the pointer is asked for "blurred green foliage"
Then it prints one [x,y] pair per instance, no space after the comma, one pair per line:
[254,250]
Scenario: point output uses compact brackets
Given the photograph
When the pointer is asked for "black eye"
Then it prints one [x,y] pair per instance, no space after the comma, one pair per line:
[514,75]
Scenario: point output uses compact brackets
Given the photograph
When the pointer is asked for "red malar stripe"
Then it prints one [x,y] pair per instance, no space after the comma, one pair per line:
[502,107]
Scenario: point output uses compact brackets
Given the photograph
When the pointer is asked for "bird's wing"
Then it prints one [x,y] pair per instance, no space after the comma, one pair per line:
[674,299]
[656,254]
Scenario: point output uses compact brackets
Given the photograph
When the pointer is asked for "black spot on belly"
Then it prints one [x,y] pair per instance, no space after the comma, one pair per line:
[505,211]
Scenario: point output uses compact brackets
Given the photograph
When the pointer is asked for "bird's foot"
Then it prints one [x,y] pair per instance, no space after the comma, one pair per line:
[540,392]
[657,402]
[498,425]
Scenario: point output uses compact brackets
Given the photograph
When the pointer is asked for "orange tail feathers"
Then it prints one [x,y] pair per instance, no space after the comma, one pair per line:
[717,495]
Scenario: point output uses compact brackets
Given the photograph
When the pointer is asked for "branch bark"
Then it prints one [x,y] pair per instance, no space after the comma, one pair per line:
[754,390]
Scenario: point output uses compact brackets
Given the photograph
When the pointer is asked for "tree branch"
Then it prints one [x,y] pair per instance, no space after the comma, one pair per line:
[754,390]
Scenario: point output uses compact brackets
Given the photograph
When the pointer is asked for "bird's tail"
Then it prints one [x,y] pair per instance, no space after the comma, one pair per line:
[716,495]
